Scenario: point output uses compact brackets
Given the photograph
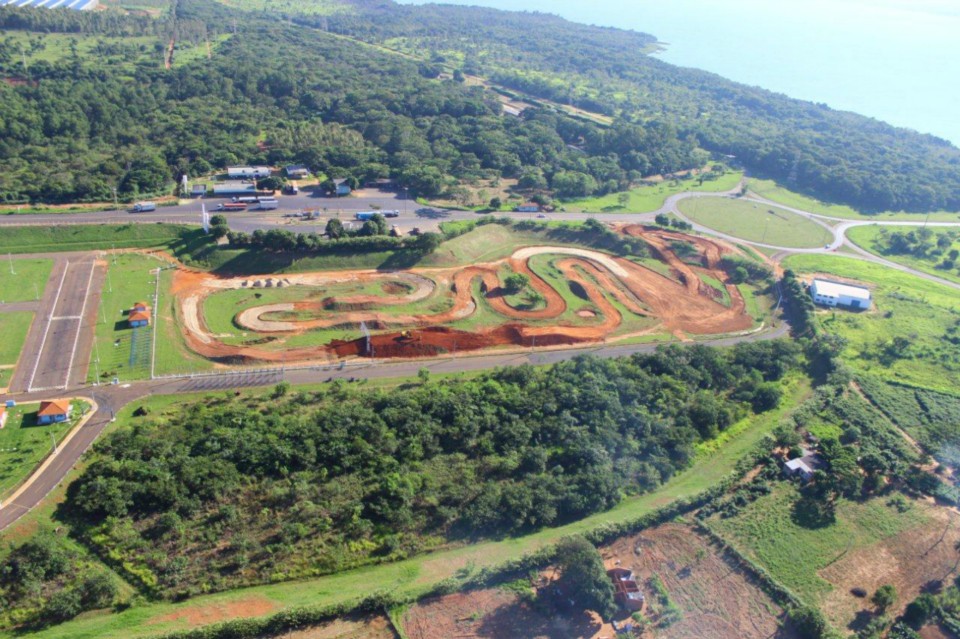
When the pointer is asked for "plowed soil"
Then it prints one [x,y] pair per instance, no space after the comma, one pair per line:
[717,600]
[683,306]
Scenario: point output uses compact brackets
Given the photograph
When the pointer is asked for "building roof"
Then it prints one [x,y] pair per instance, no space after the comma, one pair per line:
[836,289]
[297,167]
[3,412]
[799,464]
[141,305]
[54,407]
[139,316]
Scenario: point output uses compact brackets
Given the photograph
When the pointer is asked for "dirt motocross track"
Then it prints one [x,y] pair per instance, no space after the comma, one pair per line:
[682,303]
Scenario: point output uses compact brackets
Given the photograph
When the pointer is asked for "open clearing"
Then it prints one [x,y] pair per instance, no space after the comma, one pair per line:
[772,191]
[756,222]
[870,544]
[432,311]
[871,239]
[645,199]
[23,280]
[905,306]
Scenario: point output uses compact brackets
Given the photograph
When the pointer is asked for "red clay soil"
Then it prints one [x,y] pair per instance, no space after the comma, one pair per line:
[686,307]
[206,614]
[492,614]
[716,599]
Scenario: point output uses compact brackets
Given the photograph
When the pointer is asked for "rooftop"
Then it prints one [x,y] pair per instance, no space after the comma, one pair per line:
[836,289]
[54,407]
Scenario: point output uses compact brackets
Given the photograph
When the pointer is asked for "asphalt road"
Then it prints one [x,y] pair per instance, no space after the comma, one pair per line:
[56,353]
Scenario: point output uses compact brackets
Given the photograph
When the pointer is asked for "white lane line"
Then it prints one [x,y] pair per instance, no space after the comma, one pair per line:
[76,337]
[66,317]
[43,341]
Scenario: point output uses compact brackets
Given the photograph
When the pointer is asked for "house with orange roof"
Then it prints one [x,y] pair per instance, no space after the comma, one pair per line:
[139,315]
[54,411]
[3,416]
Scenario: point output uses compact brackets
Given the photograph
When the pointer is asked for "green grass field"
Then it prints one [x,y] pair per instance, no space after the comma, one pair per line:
[314,7]
[775,193]
[24,443]
[26,282]
[415,576]
[870,238]
[905,306]
[650,198]
[124,352]
[756,222]
[89,237]
[13,329]
[766,532]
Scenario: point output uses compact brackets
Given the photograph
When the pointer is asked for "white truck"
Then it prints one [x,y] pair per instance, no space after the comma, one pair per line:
[144,207]
[268,205]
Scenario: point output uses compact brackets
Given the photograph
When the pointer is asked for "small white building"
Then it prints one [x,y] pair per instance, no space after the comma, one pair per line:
[529,207]
[799,467]
[248,172]
[827,293]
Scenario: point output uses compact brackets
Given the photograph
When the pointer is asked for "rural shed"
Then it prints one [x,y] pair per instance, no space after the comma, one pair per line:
[198,190]
[248,172]
[297,171]
[827,293]
[53,411]
[342,187]
[234,188]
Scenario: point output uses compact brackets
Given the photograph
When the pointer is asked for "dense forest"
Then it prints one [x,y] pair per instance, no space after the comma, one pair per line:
[247,490]
[275,91]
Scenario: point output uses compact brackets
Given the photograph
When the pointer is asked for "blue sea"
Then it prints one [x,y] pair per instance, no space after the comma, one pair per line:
[894,60]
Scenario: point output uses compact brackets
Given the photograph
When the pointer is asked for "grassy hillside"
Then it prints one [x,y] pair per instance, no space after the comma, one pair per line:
[904,337]
[931,255]
[756,222]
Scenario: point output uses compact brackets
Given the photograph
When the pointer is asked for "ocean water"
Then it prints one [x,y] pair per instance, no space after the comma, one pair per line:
[894,60]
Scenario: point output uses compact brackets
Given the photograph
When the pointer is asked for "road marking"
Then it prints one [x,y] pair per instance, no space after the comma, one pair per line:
[43,341]
[76,337]
[66,317]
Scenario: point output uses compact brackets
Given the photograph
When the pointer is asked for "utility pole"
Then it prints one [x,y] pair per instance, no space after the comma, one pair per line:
[10,257]
[116,204]
[53,440]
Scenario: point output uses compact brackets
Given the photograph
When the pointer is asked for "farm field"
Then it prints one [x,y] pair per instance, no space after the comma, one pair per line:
[871,544]
[578,295]
[645,199]
[26,282]
[24,443]
[710,596]
[124,352]
[416,575]
[756,222]
[772,191]
[905,307]
[872,238]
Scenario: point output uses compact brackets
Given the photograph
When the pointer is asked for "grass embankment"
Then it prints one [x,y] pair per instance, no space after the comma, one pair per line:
[124,352]
[775,193]
[766,531]
[13,332]
[417,575]
[645,199]
[871,238]
[24,443]
[905,306]
[92,237]
[23,280]
[755,222]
